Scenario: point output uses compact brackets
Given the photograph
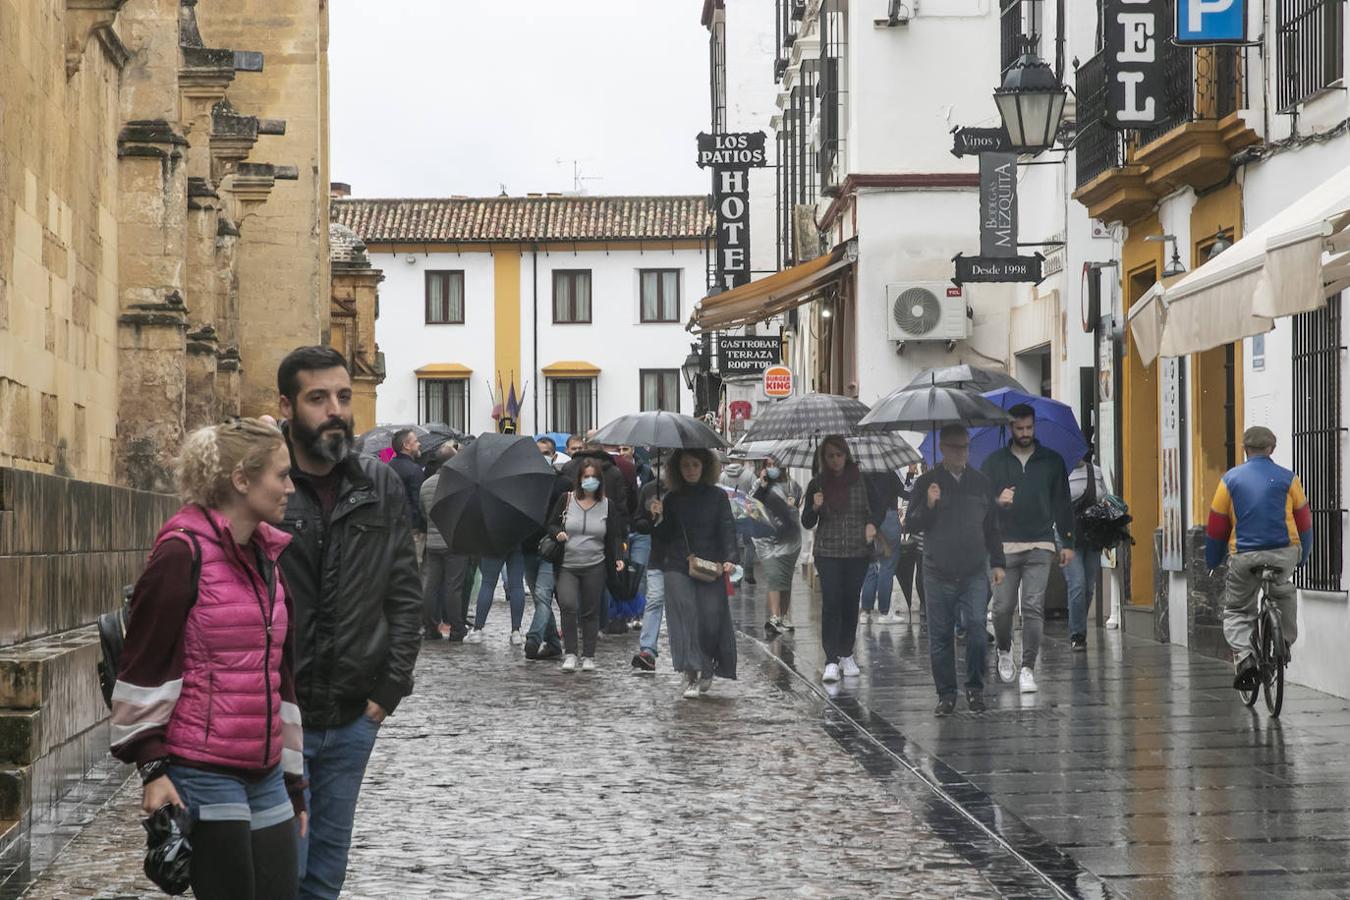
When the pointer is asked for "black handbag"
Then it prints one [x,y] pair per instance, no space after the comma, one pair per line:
[551,550]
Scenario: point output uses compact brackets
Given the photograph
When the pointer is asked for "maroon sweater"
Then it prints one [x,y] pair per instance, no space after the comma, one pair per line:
[153,655]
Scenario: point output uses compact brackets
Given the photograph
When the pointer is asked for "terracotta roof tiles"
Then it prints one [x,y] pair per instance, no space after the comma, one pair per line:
[519,219]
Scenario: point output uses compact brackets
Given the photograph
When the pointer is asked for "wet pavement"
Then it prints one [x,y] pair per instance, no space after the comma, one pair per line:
[506,778]
[1135,762]
[1134,772]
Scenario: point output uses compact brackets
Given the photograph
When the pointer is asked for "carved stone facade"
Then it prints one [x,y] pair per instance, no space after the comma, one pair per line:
[163,243]
[356,305]
[163,211]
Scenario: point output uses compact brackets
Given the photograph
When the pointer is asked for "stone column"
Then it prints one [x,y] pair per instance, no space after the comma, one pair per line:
[152,242]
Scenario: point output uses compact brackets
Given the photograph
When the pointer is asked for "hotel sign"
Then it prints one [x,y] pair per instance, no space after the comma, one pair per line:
[1135,78]
[741,150]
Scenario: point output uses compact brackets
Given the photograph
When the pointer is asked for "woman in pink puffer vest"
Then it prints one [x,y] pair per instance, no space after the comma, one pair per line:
[205,699]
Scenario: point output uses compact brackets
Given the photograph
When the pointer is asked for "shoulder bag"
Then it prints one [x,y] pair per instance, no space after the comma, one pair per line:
[552,550]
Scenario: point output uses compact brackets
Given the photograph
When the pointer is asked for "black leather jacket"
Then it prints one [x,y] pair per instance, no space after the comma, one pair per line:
[357,595]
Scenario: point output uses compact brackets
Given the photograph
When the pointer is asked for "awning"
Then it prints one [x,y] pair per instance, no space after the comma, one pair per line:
[570,368]
[767,297]
[444,370]
[1146,318]
[1290,265]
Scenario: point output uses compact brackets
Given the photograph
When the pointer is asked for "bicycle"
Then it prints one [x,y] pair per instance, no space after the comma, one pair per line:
[1269,651]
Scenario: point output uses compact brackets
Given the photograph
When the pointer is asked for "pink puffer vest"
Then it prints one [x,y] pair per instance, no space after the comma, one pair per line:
[229,713]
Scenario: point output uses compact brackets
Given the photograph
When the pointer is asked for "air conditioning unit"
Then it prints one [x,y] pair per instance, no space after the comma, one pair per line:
[926,311]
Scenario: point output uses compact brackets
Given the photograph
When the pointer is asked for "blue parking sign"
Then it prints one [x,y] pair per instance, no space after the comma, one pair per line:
[1211,21]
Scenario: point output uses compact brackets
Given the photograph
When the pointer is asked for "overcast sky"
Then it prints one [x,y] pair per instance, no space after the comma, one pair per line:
[437,97]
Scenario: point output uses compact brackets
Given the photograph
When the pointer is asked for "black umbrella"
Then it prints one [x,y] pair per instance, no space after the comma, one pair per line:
[972,378]
[663,430]
[493,495]
[807,416]
[930,408]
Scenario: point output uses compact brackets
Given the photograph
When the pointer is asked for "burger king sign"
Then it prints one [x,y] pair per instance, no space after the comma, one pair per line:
[777,382]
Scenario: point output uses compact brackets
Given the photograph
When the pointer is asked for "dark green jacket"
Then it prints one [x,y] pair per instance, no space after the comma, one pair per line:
[1041,504]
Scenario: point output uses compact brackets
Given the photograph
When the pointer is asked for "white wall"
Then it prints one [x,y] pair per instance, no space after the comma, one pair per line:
[616,341]
[750,56]
[409,343]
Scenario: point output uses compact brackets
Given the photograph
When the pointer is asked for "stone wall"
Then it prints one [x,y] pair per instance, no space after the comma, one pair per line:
[283,249]
[66,548]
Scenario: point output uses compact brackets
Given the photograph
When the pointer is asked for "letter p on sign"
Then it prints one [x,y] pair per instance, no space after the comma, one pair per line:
[1211,21]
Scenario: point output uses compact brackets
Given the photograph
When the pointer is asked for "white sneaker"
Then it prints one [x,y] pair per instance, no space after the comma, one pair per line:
[517,639]
[865,617]
[569,663]
[1007,669]
[1027,681]
[474,637]
[849,667]
[889,618]
[690,686]
[588,664]
[785,622]
[704,685]
[776,624]
[831,673]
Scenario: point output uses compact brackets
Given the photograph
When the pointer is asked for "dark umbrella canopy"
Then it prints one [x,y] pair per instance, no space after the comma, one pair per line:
[381,437]
[930,408]
[807,416]
[493,495]
[664,430]
[971,378]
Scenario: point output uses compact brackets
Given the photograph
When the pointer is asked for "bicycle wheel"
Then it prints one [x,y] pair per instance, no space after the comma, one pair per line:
[1272,648]
[1249,697]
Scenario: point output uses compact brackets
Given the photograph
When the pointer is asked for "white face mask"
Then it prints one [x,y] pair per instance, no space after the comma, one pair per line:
[590,485]
[773,472]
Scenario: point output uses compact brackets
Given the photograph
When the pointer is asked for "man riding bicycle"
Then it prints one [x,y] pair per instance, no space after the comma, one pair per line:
[1261,514]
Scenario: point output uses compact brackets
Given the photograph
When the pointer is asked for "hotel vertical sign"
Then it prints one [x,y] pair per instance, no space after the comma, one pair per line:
[731,157]
[1135,79]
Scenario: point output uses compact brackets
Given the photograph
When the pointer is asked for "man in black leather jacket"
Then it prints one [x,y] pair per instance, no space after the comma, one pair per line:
[352,573]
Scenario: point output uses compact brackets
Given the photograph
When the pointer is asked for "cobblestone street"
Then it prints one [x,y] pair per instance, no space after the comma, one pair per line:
[507,778]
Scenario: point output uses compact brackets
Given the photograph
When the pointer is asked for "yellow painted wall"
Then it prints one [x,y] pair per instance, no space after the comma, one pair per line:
[506,324]
[1209,375]
[1141,261]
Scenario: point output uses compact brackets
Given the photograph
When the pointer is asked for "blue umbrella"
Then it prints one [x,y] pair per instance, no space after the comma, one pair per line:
[559,438]
[1056,428]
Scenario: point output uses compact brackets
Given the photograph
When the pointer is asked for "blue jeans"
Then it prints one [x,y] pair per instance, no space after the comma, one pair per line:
[491,570]
[213,797]
[652,612]
[945,596]
[543,625]
[335,764]
[880,580]
[1081,575]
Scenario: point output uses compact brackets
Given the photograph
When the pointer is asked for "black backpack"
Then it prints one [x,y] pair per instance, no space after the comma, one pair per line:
[112,627]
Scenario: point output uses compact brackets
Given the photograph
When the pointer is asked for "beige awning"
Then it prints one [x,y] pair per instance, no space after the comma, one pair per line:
[767,297]
[570,368]
[1146,318]
[1287,266]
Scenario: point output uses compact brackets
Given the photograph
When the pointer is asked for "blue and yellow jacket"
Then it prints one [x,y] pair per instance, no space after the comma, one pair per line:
[1259,506]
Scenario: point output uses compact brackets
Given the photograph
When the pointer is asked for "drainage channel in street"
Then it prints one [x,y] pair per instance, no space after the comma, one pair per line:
[1016,860]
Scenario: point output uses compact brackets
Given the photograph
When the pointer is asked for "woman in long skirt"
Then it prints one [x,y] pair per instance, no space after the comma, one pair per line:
[694,527]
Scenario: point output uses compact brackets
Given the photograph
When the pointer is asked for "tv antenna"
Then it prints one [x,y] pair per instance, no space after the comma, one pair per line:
[578,180]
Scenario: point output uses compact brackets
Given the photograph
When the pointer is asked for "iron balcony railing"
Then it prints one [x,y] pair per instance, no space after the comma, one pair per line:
[1202,84]
[1099,147]
[1310,43]
[1020,24]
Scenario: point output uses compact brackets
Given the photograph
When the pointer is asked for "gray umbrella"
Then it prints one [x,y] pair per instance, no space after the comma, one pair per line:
[972,378]
[661,430]
[379,438]
[872,452]
[807,416]
[929,408]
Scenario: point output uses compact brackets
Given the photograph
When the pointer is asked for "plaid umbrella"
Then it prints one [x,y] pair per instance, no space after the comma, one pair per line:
[872,452]
[972,378]
[808,416]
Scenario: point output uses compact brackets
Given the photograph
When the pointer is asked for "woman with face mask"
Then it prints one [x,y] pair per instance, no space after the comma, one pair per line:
[696,536]
[846,513]
[591,530]
[778,553]
[205,698]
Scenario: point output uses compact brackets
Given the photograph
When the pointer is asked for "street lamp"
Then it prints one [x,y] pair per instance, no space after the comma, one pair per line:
[693,364]
[1031,102]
